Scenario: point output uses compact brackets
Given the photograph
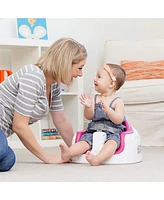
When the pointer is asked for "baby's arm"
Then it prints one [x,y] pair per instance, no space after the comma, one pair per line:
[117,115]
[89,106]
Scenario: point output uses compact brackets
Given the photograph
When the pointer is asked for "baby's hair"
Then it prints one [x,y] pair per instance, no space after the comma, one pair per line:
[119,74]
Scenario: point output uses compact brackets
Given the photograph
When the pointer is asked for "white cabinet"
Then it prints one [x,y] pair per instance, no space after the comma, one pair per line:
[14,54]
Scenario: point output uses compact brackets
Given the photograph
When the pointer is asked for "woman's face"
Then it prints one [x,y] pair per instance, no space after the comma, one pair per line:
[77,69]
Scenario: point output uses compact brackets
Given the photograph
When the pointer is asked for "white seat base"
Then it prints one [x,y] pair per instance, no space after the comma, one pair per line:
[132,152]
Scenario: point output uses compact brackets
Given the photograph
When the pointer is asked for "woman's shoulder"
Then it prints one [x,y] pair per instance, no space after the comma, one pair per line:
[31,68]
[34,72]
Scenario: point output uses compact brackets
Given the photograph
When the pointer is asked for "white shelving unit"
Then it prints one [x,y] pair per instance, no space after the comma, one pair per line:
[14,54]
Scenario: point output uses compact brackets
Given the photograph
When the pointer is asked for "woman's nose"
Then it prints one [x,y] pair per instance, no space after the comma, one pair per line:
[80,74]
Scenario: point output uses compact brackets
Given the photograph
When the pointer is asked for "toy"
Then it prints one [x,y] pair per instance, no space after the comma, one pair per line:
[130,150]
[50,134]
[3,73]
[63,87]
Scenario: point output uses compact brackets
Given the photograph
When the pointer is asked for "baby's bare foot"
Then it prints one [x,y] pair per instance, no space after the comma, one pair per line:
[64,152]
[92,159]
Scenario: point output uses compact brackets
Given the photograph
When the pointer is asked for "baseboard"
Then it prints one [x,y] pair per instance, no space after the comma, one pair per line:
[44,143]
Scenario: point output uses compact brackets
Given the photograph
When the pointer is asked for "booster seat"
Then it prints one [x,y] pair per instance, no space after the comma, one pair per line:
[130,150]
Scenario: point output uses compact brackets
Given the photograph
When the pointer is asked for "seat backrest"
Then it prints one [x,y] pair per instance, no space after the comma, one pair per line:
[78,135]
[128,130]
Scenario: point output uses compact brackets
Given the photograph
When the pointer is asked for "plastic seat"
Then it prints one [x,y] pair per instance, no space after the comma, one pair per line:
[130,150]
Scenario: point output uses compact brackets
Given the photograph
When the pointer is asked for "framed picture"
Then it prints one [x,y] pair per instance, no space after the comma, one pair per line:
[32,28]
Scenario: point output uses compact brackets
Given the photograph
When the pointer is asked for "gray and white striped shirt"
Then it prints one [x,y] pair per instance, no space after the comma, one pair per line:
[25,92]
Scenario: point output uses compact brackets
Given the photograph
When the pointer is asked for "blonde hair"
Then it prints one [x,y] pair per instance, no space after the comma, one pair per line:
[119,73]
[58,59]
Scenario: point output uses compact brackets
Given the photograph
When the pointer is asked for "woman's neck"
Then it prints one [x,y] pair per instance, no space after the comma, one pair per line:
[49,80]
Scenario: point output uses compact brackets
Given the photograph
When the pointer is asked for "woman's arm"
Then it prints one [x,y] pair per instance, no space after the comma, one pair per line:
[63,124]
[21,128]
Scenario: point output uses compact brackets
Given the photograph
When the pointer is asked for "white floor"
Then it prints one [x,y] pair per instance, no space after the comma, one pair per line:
[29,168]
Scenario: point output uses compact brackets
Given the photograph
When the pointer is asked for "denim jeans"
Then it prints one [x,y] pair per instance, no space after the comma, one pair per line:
[7,156]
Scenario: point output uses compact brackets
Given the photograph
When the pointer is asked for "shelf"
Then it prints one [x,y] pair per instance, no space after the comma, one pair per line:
[17,43]
[50,143]
[68,93]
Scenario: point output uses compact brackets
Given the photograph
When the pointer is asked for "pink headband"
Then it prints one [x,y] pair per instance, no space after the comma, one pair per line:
[106,67]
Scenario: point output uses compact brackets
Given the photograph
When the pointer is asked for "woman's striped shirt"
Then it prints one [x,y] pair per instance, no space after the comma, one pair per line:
[25,92]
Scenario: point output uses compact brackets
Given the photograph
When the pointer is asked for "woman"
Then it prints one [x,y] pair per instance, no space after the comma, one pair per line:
[30,93]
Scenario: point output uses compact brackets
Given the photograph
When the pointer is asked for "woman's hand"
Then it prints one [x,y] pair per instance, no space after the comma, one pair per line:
[55,159]
[86,101]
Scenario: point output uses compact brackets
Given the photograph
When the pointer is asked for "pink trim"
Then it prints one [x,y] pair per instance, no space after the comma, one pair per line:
[129,130]
[79,134]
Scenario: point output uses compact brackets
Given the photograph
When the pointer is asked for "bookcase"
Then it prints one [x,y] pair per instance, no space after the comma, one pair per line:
[14,54]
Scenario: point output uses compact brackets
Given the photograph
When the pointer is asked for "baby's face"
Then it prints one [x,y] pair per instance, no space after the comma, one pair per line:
[102,80]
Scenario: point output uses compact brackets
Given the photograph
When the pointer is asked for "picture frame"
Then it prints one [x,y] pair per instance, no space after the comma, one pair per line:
[32,28]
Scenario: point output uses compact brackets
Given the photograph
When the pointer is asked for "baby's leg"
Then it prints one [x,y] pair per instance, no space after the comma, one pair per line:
[75,150]
[106,152]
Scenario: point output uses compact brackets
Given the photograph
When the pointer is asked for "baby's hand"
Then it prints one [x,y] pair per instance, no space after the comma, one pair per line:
[86,101]
[105,107]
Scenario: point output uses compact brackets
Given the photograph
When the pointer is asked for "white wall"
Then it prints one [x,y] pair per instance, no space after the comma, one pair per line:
[93,33]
